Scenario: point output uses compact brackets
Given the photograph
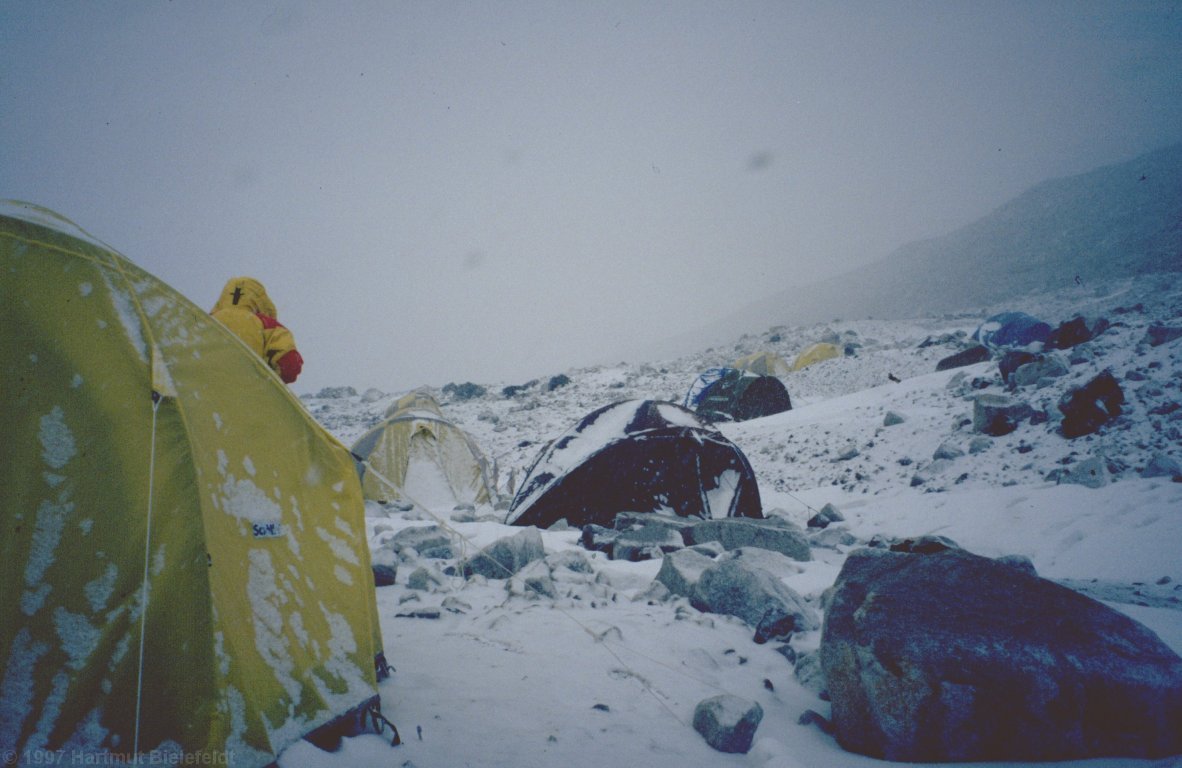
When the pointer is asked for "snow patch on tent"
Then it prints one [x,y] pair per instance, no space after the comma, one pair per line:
[79,637]
[266,601]
[340,548]
[234,705]
[57,442]
[243,499]
[125,310]
[85,289]
[77,381]
[47,534]
[678,417]
[88,737]
[16,690]
[721,498]
[343,575]
[98,592]
[342,646]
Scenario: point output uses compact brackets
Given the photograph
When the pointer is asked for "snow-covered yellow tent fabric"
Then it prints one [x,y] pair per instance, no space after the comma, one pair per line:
[763,363]
[417,456]
[815,354]
[183,549]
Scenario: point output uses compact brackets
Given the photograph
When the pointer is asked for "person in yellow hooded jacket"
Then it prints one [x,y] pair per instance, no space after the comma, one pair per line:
[245,308]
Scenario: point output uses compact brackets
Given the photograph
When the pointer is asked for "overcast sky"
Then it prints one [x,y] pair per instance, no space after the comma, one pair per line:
[441,192]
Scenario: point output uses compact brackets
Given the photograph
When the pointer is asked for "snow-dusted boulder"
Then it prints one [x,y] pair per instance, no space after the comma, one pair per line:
[506,556]
[828,514]
[977,353]
[681,571]
[1161,465]
[1156,334]
[954,657]
[1091,473]
[1085,409]
[728,722]
[1043,367]
[773,533]
[999,415]
[427,540]
[739,586]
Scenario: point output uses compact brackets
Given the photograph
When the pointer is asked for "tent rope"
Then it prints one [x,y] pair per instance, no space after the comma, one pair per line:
[139,685]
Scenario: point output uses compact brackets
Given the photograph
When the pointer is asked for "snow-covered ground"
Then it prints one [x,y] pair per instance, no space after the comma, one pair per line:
[488,674]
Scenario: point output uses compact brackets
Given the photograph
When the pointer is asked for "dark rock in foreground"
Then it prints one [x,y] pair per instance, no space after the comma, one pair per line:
[954,657]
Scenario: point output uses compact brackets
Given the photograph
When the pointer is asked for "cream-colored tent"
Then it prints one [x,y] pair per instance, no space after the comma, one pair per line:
[184,557]
[763,363]
[815,354]
[416,455]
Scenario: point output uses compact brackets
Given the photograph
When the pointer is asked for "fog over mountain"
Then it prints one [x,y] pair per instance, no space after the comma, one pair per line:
[1116,221]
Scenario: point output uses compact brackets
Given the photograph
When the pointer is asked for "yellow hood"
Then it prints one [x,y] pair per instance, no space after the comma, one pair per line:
[247,293]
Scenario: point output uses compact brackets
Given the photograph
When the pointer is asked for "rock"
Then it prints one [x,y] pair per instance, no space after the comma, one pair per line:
[733,532]
[428,540]
[736,587]
[532,582]
[947,451]
[728,722]
[1157,334]
[599,539]
[1085,409]
[423,580]
[383,574]
[808,671]
[1091,473]
[1076,331]
[978,353]
[681,571]
[828,514]
[955,657]
[833,537]
[1162,465]
[1012,360]
[998,415]
[506,556]
[1043,367]
[923,545]
[979,444]
[647,543]
[847,453]
[892,418]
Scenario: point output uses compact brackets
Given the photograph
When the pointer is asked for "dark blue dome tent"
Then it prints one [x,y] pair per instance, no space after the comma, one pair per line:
[737,395]
[1011,329]
[636,456]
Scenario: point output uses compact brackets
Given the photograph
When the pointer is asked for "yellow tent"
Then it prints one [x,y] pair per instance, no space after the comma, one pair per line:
[763,363]
[815,354]
[416,455]
[184,557]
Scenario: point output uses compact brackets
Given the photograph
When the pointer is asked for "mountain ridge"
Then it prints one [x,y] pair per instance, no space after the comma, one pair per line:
[1118,220]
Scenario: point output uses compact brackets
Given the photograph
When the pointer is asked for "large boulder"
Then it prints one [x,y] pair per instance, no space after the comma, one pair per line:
[977,353]
[954,657]
[999,415]
[733,533]
[1042,367]
[1085,409]
[739,586]
[505,557]
[728,722]
[1077,330]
